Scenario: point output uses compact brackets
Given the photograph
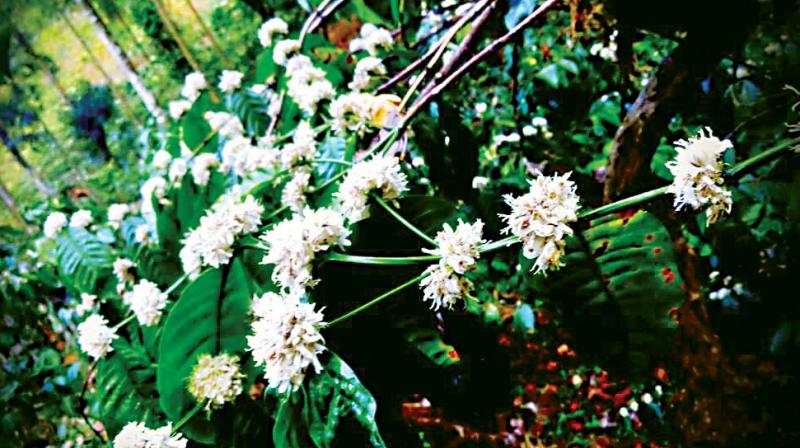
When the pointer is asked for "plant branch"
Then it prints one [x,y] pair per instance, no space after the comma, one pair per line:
[382,261]
[377,300]
[185,419]
[402,220]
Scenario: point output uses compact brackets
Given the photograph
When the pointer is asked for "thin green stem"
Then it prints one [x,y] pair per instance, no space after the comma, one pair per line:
[177,283]
[277,212]
[382,261]
[623,203]
[386,141]
[185,419]
[324,160]
[377,300]
[124,322]
[402,220]
[761,158]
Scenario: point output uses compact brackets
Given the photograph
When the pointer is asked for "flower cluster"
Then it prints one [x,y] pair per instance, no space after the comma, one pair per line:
[216,379]
[81,218]
[54,223]
[153,187]
[193,85]
[286,339]
[698,175]
[241,157]
[307,84]
[303,147]
[116,213]
[378,173]
[137,435]
[541,217]
[146,301]
[294,242]
[230,80]
[201,167]
[284,48]
[356,112]
[122,269]
[293,195]
[227,125]
[365,70]
[371,38]
[95,336]
[210,244]
[458,251]
[268,29]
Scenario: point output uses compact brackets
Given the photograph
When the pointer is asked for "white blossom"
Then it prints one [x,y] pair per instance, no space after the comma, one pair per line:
[95,336]
[81,218]
[116,213]
[193,84]
[216,379]
[541,217]
[480,182]
[307,84]
[178,107]
[201,167]
[698,175]
[351,111]
[161,159]
[147,302]
[282,50]
[443,287]
[302,148]
[293,195]
[293,243]
[380,173]
[286,339]
[137,435]
[88,302]
[235,156]
[227,125]
[230,80]
[364,71]
[268,29]
[177,169]
[122,269]
[154,186]
[54,223]
[371,38]
[142,234]
[211,243]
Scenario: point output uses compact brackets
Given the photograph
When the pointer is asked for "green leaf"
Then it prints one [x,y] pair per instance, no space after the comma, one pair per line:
[334,395]
[518,10]
[420,333]
[194,126]
[620,280]
[550,75]
[211,316]
[251,109]
[83,259]
[291,422]
[125,388]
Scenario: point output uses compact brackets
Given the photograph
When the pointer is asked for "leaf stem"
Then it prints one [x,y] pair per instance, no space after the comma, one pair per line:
[402,220]
[381,261]
[623,203]
[185,419]
[753,162]
[377,300]
[177,283]
[124,322]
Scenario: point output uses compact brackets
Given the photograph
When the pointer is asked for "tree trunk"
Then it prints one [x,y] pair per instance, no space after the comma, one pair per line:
[122,59]
[45,65]
[8,199]
[15,151]
[209,34]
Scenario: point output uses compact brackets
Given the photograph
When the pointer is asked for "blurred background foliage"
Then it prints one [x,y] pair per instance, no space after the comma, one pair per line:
[75,135]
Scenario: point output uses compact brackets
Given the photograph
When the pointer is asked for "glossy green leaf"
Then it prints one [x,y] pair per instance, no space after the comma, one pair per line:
[83,259]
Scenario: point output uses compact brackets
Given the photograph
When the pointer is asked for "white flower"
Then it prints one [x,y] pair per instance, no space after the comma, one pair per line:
[379,173]
[154,186]
[193,84]
[293,195]
[541,217]
[371,38]
[88,302]
[302,148]
[54,223]
[142,234]
[280,54]
[81,218]
[270,28]
[698,175]
[443,287]
[307,84]
[286,340]
[116,213]
[242,157]
[137,435]
[230,80]
[480,182]
[353,112]
[178,107]
[365,70]
[147,302]
[458,249]
[481,108]
[95,336]
[177,170]
[122,267]
[607,52]
[216,379]
[227,125]
[211,243]
[201,167]
[294,242]
[161,159]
